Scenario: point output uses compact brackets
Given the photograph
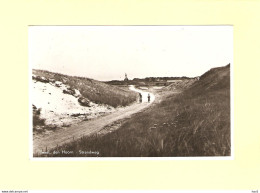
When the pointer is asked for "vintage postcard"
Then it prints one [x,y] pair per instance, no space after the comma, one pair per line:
[131,91]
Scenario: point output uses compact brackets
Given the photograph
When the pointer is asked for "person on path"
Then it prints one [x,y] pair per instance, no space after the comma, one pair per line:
[149,97]
[140,97]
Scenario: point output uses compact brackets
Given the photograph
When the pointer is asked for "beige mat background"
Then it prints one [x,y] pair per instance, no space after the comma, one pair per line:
[18,172]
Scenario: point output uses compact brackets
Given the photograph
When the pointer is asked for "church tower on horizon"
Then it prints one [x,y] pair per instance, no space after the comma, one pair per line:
[126,79]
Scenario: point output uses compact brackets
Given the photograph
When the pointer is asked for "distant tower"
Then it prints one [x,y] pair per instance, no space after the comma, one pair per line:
[126,79]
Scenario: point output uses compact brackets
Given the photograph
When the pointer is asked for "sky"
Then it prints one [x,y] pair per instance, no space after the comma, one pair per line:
[108,52]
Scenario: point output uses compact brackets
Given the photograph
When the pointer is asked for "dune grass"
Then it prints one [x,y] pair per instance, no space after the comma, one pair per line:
[193,123]
[37,120]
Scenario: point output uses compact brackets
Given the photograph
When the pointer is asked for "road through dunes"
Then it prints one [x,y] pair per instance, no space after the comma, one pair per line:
[85,128]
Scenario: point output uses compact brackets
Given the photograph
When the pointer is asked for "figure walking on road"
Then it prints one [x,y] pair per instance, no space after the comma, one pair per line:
[149,97]
[140,97]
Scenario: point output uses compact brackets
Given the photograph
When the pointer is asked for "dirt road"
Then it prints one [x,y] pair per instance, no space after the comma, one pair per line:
[88,127]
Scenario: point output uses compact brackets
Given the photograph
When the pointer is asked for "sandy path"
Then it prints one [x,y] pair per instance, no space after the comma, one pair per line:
[143,93]
[89,127]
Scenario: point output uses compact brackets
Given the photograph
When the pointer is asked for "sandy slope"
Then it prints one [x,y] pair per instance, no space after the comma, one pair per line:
[57,108]
[89,127]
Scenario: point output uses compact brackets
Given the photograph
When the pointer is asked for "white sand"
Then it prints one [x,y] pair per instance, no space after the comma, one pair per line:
[58,107]
[158,87]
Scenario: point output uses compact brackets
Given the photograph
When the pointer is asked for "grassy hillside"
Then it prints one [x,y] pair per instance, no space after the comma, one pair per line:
[193,123]
[95,91]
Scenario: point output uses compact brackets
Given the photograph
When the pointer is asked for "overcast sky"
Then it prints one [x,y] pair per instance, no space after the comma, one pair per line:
[108,52]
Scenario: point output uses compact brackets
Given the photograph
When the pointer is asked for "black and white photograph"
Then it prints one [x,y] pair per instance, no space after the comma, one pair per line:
[130,91]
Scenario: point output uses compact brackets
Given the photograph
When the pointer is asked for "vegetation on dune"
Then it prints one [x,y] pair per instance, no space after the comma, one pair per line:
[93,90]
[193,123]
[37,120]
[39,124]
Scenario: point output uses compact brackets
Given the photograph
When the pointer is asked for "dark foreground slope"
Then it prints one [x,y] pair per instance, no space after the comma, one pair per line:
[95,91]
[193,123]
